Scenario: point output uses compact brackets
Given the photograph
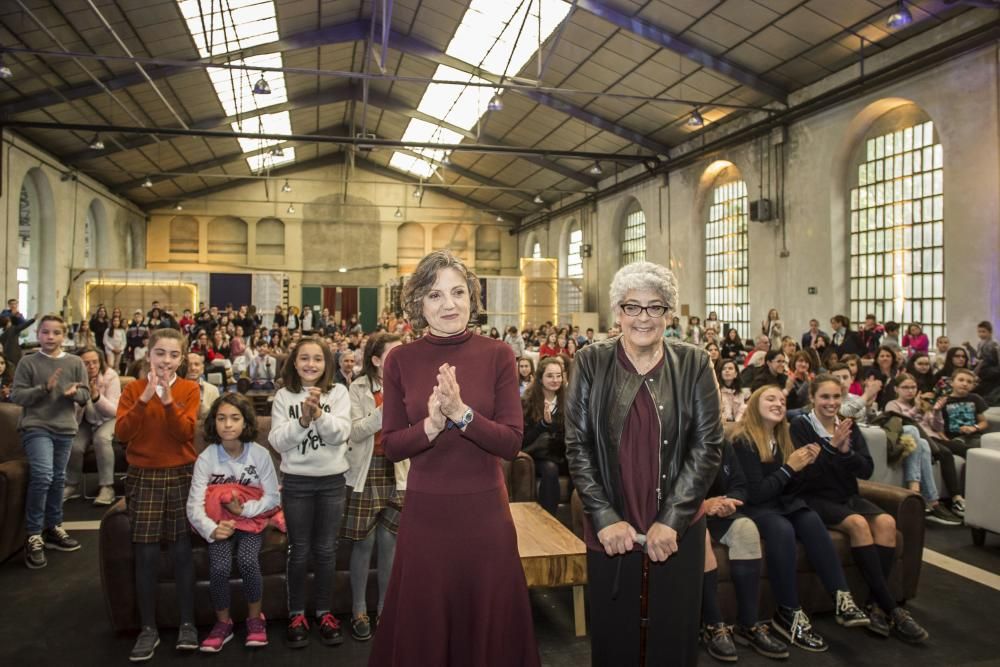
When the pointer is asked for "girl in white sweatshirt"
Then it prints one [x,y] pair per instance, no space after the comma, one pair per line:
[234,459]
[310,425]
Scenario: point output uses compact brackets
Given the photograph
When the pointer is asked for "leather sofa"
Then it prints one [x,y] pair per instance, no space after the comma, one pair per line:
[981,494]
[905,506]
[118,578]
[13,482]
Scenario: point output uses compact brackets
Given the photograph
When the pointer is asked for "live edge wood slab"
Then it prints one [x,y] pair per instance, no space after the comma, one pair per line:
[551,555]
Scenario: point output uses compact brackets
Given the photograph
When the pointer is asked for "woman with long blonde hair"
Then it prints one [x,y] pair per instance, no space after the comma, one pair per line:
[773,470]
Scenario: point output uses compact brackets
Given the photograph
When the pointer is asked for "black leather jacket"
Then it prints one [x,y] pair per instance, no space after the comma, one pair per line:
[600,396]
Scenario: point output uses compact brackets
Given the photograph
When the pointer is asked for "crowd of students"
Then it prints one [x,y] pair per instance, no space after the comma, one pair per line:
[790,469]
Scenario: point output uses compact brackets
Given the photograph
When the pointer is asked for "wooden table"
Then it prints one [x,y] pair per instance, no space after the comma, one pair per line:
[261,399]
[551,555]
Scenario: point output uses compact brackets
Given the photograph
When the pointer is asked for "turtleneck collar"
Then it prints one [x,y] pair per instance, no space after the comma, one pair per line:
[449,340]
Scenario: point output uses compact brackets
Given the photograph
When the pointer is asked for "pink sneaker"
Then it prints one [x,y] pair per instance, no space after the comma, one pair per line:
[256,631]
[219,636]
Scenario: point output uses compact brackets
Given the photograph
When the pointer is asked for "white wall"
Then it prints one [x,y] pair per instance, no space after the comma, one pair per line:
[960,96]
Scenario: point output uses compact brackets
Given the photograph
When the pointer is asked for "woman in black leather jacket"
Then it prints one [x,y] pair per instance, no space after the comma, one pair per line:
[644,442]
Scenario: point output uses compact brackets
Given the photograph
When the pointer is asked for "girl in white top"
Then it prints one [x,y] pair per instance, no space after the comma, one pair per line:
[114,343]
[234,459]
[378,485]
[310,424]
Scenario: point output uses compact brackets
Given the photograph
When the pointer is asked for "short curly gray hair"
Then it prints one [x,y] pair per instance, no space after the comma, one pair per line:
[423,279]
[644,276]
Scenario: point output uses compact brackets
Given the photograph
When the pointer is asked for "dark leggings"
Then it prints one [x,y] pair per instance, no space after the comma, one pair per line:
[548,485]
[220,566]
[949,475]
[147,565]
[779,533]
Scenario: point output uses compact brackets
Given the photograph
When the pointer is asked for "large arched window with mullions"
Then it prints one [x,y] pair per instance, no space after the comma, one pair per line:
[727,254]
[633,234]
[897,223]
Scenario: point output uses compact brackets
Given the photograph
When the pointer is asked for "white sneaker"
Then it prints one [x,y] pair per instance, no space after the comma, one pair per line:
[70,492]
[105,496]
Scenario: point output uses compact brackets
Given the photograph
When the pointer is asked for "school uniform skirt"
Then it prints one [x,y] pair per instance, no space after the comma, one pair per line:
[833,512]
[156,500]
[378,503]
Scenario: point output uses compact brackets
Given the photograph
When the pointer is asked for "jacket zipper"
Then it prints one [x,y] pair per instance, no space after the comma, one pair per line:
[659,449]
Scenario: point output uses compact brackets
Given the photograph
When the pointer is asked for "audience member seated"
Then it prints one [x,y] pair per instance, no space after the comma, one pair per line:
[263,368]
[988,364]
[544,434]
[732,397]
[732,346]
[915,340]
[97,429]
[885,368]
[209,392]
[919,366]
[845,341]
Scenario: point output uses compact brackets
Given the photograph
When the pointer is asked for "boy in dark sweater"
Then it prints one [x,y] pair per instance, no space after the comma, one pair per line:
[48,385]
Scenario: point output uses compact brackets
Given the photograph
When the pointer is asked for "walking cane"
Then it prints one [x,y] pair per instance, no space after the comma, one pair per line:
[643,600]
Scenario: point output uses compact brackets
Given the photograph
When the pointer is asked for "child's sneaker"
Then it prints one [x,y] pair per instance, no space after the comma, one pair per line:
[58,539]
[71,491]
[256,631]
[220,635]
[34,552]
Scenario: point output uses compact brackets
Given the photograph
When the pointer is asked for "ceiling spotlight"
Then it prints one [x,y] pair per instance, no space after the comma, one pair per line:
[398,213]
[287,187]
[5,72]
[538,199]
[901,17]
[148,183]
[290,209]
[696,119]
[343,269]
[96,144]
[276,152]
[595,170]
[262,87]
[495,104]
[418,192]
[178,207]
[446,159]
[499,218]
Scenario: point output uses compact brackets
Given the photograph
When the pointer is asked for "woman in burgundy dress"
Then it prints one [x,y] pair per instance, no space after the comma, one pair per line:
[457,594]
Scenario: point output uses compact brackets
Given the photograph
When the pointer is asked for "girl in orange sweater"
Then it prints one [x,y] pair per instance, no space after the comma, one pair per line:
[156,419]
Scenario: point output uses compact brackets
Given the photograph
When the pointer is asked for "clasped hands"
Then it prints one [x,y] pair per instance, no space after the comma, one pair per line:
[311,409]
[444,403]
[157,380]
[620,537]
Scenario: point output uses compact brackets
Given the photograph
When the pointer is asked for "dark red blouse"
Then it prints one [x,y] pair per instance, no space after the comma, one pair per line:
[638,456]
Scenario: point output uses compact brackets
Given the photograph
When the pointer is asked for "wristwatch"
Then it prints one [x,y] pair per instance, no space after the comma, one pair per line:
[463,422]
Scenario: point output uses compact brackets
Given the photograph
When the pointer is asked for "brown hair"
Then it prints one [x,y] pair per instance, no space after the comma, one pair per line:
[802,354]
[241,403]
[52,317]
[533,401]
[753,430]
[102,360]
[290,375]
[962,371]
[172,334]
[423,279]
[375,347]
[820,380]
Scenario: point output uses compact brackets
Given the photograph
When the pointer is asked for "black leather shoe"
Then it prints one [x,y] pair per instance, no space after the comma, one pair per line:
[878,622]
[718,640]
[904,627]
[794,625]
[297,634]
[848,613]
[329,630]
[760,639]
[361,628]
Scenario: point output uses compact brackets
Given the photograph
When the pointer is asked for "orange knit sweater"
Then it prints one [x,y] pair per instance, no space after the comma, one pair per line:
[158,436]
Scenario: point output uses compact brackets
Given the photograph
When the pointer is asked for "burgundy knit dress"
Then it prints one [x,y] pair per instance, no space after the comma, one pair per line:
[457,594]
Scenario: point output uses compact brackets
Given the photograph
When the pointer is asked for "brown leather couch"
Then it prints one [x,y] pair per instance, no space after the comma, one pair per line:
[118,578]
[13,482]
[905,506]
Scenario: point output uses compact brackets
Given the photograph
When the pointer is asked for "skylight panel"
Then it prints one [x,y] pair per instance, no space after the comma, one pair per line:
[269,123]
[459,105]
[235,86]
[219,27]
[267,161]
[412,165]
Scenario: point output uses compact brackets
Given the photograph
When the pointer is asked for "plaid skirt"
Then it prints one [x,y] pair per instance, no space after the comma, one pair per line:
[156,500]
[380,502]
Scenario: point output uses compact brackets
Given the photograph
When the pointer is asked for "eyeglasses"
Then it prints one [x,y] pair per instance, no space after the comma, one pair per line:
[634,309]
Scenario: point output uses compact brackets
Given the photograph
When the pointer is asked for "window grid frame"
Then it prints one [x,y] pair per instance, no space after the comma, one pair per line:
[727,256]
[896,230]
[633,244]
[574,256]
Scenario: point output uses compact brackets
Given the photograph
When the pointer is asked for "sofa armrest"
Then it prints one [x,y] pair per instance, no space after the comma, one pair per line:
[117,568]
[907,507]
[522,479]
[13,490]
[982,496]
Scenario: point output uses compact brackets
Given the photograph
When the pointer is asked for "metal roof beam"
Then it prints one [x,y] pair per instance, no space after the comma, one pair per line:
[671,42]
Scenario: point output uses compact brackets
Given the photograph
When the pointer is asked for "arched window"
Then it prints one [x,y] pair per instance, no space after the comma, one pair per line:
[897,223]
[574,248]
[536,250]
[36,272]
[183,235]
[634,235]
[453,237]
[488,245]
[409,247]
[727,271]
[27,223]
[271,237]
[227,236]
